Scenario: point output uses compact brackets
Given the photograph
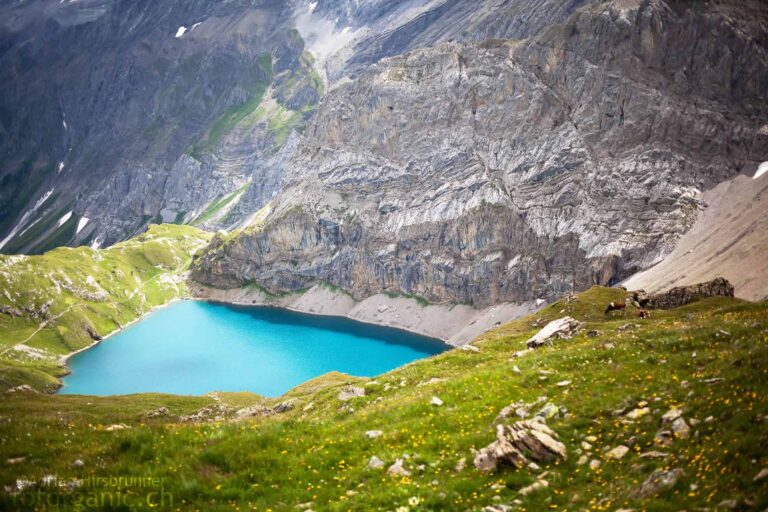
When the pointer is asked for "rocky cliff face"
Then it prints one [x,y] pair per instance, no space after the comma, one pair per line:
[115,113]
[513,170]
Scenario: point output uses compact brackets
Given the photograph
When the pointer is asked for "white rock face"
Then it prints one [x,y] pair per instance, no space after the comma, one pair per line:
[561,328]
[64,219]
[82,223]
[762,169]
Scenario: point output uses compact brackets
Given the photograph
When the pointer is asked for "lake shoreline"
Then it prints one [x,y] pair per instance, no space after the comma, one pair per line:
[66,357]
[452,324]
[194,347]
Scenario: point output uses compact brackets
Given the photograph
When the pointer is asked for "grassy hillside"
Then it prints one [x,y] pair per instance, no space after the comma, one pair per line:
[59,302]
[709,359]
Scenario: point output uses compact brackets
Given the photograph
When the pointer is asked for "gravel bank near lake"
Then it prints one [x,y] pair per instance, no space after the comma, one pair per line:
[455,324]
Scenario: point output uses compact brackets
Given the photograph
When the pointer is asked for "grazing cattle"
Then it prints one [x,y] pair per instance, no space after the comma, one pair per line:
[645,314]
[615,306]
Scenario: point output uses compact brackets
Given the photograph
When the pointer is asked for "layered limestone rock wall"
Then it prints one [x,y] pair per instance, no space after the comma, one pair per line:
[516,170]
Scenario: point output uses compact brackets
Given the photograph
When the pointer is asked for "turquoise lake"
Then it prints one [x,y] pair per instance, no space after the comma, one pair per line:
[193,348]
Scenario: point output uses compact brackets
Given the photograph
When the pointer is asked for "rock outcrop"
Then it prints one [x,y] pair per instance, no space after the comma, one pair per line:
[118,113]
[556,329]
[682,295]
[518,444]
[515,170]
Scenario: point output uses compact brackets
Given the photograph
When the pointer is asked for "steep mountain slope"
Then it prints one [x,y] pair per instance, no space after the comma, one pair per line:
[728,239]
[129,112]
[513,170]
[125,112]
[350,35]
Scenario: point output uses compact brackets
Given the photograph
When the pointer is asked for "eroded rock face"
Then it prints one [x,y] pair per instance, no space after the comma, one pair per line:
[512,171]
[126,118]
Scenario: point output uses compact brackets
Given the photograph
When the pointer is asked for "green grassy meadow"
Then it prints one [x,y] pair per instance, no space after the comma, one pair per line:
[709,359]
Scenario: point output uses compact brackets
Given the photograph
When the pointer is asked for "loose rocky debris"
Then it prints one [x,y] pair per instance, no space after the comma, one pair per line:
[375,463]
[671,415]
[675,426]
[763,474]
[256,411]
[562,328]
[658,481]
[518,444]
[638,413]
[497,508]
[398,469]
[373,434]
[24,388]
[654,455]
[15,460]
[617,453]
[284,407]
[550,412]
[435,401]
[10,310]
[627,327]
[681,429]
[350,392]
[535,486]
[160,412]
[433,380]
[216,412]
[116,427]
[519,409]
[522,410]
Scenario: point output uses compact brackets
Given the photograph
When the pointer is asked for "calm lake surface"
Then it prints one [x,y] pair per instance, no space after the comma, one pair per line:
[192,348]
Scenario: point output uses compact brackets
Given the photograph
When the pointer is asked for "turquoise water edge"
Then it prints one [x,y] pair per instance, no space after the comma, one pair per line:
[193,348]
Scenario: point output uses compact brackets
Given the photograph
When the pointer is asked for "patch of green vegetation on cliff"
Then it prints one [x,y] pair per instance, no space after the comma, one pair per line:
[217,205]
[419,299]
[236,113]
[335,289]
[68,295]
[282,123]
[708,359]
[272,295]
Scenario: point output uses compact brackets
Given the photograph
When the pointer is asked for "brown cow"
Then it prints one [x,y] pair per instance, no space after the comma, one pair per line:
[615,306]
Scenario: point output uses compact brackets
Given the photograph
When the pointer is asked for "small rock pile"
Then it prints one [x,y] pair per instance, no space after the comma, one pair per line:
[519,444]
[350,392]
